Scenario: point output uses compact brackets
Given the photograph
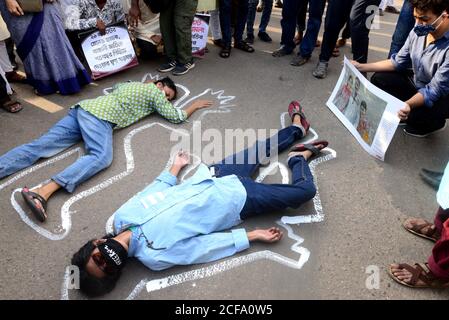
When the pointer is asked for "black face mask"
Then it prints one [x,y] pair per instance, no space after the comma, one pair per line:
[114,253]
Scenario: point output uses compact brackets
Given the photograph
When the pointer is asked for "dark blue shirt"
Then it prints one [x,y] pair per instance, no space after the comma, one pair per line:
[430,65]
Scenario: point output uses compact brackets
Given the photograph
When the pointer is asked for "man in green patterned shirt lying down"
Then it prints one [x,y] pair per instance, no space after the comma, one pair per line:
[93,121]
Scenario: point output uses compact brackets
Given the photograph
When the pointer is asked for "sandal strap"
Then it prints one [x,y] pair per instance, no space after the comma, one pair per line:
[419,227]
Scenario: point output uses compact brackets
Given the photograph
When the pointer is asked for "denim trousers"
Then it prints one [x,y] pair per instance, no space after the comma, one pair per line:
[226,20]
[289,21]
[264,198]
[264,20]
[78,125]
[405,24]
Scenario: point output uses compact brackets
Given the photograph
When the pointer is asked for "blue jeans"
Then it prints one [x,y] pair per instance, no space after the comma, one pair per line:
[405,24]
[225,20]
[264,20]
[289,22]
[76,126]
[263,198]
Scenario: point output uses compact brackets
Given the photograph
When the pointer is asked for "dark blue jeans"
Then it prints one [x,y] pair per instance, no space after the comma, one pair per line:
[263,198]
[405,24]
[264,20]
[289,21]
[361,14]
[225,20]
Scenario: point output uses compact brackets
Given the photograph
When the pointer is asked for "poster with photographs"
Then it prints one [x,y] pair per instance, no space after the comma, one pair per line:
[368,112]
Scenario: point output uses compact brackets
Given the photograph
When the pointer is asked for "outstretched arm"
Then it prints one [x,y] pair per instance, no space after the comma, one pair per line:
[211,247]
[197,105]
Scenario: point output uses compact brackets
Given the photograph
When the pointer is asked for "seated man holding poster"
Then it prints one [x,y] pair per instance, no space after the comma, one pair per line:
[93,121]
[426,50]
[85,15]
[169,224]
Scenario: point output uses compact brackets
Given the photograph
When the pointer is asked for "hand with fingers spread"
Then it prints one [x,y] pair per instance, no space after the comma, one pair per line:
[270,235]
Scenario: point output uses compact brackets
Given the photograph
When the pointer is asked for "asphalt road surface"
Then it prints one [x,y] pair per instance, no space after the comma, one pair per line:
[355,221]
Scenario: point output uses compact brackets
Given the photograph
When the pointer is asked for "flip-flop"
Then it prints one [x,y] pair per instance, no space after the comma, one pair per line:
[9,106]
[295,108]
[313,147]
[29,198]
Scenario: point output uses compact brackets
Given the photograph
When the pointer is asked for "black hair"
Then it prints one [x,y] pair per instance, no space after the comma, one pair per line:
[89,284]
[436,6]
[169,83]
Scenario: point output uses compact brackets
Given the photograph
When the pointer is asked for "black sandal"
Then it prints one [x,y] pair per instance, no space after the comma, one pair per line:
[29,197]
[242,45]
[225,52]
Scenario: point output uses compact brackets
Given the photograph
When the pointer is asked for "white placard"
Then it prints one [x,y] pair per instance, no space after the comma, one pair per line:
[109,53]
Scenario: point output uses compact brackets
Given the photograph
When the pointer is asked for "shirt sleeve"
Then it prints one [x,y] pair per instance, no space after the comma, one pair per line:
[439,86]
[202,249]
[166,109]
[402,59]
[119,12]
[73,20]
[85,20]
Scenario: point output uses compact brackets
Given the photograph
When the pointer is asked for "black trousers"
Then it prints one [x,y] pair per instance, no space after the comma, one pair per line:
[401,86]
[362,14]
[337,16]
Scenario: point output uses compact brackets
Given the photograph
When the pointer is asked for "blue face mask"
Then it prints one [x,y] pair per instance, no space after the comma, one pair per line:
[422,30]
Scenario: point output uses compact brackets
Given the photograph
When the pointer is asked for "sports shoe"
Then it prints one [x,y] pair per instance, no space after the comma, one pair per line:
[433,178]
[282,51]
[420,132]
[299,61]
[181,69]
[167,67]
[320,71]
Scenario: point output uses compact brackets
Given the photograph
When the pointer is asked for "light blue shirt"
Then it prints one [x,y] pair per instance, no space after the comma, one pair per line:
[443,190]
[430,65]
[177,224]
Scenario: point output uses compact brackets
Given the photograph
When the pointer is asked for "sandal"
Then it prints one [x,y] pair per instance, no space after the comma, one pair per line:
[313,147]
[336,53]
[242,45]
[418,229]
[225,52]
[12,106]
[340,43]
[294,108]
[30,197]
[420,271]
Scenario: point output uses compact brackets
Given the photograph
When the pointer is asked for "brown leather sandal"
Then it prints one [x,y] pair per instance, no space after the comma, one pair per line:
[425,230]
[420,271]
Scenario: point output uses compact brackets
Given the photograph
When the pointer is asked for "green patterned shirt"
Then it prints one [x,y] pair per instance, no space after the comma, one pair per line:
[131,101]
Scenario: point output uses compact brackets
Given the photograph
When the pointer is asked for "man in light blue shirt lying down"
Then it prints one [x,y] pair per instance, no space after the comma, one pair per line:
[168,224]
